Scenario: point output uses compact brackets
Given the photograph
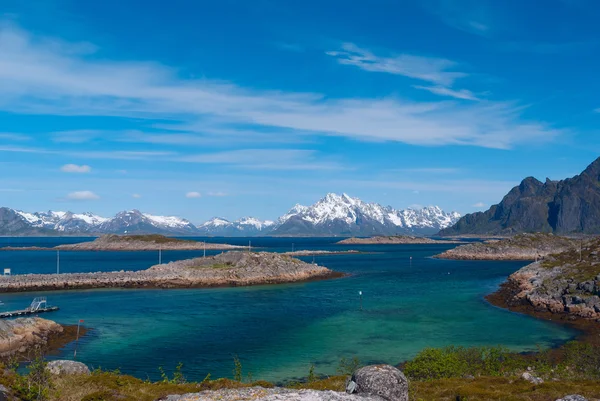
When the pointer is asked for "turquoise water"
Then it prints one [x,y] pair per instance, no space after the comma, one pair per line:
[279,331]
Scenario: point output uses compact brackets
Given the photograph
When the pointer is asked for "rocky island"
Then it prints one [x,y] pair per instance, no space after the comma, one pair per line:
[321,253]
[394,239]
[564,283]
[519,247]
[234,268]
[151,242]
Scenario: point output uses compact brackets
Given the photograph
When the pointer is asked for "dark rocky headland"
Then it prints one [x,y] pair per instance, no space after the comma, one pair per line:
[561,207]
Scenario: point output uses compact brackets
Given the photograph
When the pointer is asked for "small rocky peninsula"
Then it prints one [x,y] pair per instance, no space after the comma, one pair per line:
[152,242]
[234,268]
[564,283]
[22,334]
[394,239]
[520,247]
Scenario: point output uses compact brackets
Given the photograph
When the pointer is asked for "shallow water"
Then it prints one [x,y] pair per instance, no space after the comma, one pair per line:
[279,331]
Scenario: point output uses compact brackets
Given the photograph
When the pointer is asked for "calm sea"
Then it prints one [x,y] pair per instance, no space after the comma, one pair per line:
[279,331]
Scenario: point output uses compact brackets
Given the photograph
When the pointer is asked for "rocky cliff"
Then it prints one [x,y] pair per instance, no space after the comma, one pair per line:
[568,206]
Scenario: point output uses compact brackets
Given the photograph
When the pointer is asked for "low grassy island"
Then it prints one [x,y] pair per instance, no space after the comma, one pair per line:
[519,247]
[563,283]
[150,242]
[394,239]
[234,268]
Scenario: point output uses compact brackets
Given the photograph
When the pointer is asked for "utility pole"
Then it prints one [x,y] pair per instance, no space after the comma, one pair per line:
[204,249]
[57,262]
[77,339]
[160,256]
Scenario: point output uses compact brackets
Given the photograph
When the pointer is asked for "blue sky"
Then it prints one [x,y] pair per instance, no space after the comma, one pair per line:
[232,108]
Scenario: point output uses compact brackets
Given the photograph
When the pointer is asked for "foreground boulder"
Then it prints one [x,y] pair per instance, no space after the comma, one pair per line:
[271,394]
[64,367]
[383,381]
[574,397]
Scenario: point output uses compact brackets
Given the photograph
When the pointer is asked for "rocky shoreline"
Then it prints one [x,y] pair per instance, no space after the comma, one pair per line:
[563,288]
[321,253]
[234,268]
[22,335]
[394,239]
[520,247]
[133,243]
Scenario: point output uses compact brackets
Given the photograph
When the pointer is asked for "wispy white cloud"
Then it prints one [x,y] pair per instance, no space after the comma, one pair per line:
[217,193]
[74,168]
[9,136]
[193,194]
[37,78]
[472,16]
[428,69]
[445,91]
[479,205]
[429,170]
[82,196]
[136,196]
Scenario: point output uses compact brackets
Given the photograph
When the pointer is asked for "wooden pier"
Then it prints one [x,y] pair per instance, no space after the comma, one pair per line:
[39,305]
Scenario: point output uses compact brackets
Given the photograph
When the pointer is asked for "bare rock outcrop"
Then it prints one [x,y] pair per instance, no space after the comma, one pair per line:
[20,335]
[382,381]
[233,268]
[520,247]
[568,282]
[271,394]
[66,367]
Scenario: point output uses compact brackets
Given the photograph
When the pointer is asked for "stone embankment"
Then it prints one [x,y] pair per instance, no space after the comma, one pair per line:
[519,247]
[133,243]
[565,283]
[395,239]
[235,268]
[22,334]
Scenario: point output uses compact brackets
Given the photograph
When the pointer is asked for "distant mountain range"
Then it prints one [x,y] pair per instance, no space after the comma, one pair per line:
[334,215]
[563,207]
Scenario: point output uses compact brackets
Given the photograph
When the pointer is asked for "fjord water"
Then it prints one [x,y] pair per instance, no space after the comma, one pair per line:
[278,331]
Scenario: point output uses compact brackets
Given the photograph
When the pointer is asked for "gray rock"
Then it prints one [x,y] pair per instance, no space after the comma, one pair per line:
[384,381]
[531,378]
[4,393]
[272,394]
[574,397]
[67,368]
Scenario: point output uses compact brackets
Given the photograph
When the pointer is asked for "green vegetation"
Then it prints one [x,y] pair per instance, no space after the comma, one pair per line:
[451,373]
[582,262]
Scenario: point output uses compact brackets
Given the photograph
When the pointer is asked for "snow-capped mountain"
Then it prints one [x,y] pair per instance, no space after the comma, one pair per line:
[136,222]
[344,215]
[334,215]
[244,227]
[16,222]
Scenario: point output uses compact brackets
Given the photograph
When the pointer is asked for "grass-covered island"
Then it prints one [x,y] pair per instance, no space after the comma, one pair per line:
[151,242]
[233,268]
[519,247]
[394,239]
